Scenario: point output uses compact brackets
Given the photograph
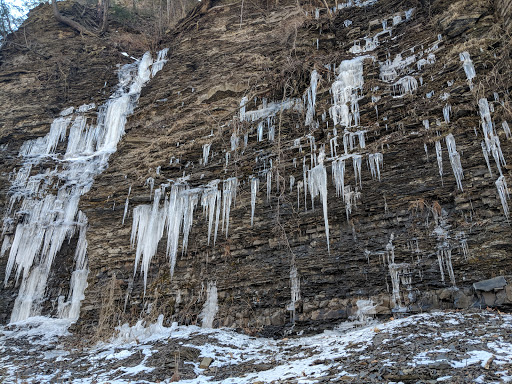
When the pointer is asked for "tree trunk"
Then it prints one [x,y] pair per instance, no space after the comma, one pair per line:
[71,23]
[104,24]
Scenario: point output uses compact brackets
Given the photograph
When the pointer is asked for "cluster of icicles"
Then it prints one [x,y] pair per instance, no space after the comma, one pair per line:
[175,214]
[46,190]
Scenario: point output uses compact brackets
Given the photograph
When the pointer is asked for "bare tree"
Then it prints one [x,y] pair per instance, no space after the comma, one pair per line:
[103,6]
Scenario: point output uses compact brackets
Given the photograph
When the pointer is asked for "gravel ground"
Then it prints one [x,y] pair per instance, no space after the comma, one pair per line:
[451,347]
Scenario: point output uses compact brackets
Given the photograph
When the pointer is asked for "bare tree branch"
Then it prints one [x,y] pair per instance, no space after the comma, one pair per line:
[71,23]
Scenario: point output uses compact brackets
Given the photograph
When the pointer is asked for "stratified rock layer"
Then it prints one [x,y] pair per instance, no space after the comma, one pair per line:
[269,51]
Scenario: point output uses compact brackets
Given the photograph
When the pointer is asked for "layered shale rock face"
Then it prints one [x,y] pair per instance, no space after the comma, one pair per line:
[279,164]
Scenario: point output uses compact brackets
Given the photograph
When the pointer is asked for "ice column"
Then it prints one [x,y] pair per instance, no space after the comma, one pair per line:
[338,176]
[454,160]
[255,183]
[375,160]
[126,204]
[344,90]
[310,98]
[206,153]
[228,197]
[318,186]
[439,155]
[210,307]
[468,68]
[211,202]
[147,230]
[501,185]
[49,200]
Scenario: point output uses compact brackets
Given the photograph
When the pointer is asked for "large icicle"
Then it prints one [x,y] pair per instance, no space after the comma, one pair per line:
[375,161]
[356,162]
[206,153]
[468,68]
[501,185]
[444,253]
[318,186]
[439,156]
[294,289]
[345,90]
[338,176]
[310,98]
[126,204]
[228,197]
[210,307]
[50,219]
[455,160]
[70,309]
[255,184]
[211,202]
[147,230]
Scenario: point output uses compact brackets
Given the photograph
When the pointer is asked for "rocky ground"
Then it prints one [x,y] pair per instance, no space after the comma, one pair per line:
[455,347]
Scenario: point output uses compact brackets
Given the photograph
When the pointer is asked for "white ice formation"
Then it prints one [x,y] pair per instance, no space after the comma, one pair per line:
[48,201]
[210,307]
[346,91]
[455,160]
[467,63]
[317,183]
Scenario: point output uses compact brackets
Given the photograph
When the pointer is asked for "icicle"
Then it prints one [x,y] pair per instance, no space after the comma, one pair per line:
[151,183]
[486,156]
[485,114]
[294,289]
[126,204]
[206,153]
[362,142]
[292,182]
[444,253]
[318,186]
[333,143]
[211,201]
[338,176]
[229,187]
[375,160]
[447,109]
[344,90]
[269,184]
[271,128]
[210,307]
[506,129]
[406,85]
[161,59]
[310,97]
[426,124]
[51,219]
[78,283]
[463,244]
[439,155]
[234,141]
[356,162]
[305,171]
[350,198]
[454,160]
[243,103]
[147,230]
[255,183]
[300,185]
[501,185]
[468,68]
[426,149]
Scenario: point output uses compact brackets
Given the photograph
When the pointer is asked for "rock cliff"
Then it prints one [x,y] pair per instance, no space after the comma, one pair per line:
[371,138]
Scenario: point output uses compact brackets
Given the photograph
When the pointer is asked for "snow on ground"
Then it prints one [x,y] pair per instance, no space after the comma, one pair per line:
[435,347]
